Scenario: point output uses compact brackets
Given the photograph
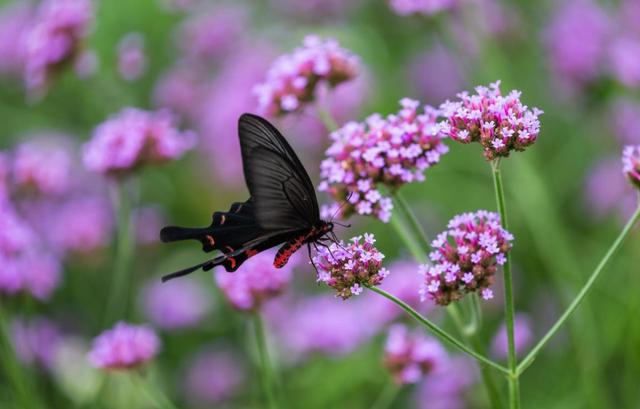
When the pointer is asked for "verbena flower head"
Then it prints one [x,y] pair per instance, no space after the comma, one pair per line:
[445,387]
[35,340]
[55,38]
[81,225]
[15,20]
[523,335]
[499,123]
[348,268]
[133,138]
[125,346]
[176,305]
[607,193]
[631,164]
[428,7]
[256,282]
[132,60]
[466,257]
[214,376]
[387,151]
[293,78]
[410,356]
[42,166]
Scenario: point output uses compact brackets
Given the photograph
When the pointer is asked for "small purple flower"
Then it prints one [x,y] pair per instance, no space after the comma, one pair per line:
[181,90]
[410,356]
[175,305]
[132,60]
[35,340]
[444,388]
[523,335]
[347,268]
[484,243]
[427,7]
[54,38]
[214,376]
[294,78]
[125,346]
[499,123]
[134,138]
[15,20]
[81,225]
[387,151]
[43,166]
[256,282]
[435,74]
[631,164]
[607,193]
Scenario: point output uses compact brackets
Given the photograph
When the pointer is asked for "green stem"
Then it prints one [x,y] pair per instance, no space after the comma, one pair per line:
[386,396]
[326,118]
[408,214]
[151,391]
[439,332]
[12,366]
[514,387]
[266,371]
[117,304]
[528,360]
[406,237]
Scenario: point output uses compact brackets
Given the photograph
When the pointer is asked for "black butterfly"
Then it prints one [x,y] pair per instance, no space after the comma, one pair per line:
[283,207]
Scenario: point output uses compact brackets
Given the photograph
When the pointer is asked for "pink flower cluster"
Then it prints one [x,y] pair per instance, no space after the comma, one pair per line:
[631,164]
[350,268]
[389,151]
[214,376]
[428,7]
[293,78]
[466,257]
[29,173]
[256,282]
[499,123]
[54,38]
[175,305]
[124,346]
[134,138]
[410,356]
[132,60]
[35,340]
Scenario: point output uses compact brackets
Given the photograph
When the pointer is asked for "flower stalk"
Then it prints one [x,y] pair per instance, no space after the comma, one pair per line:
[266,370]
[151,391]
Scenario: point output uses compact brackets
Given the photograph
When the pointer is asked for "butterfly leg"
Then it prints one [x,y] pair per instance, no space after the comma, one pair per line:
[311,258]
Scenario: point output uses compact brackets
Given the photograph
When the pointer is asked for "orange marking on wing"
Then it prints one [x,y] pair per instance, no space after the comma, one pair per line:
[212,242]
[223,219]
[229,248]
[251,252]
[233,262]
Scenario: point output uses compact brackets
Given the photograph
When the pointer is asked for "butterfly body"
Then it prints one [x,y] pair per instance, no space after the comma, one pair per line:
[282,210]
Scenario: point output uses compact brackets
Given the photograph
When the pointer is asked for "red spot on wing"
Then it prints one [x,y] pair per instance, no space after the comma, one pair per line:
[212,242]
[250,253]
[233,262]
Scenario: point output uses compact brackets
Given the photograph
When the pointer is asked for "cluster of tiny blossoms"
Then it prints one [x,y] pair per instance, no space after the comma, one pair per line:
[410,356]
[293,78]
[348,268]
[631,164]
[133,138]
[387,151]
[499,123]
[124,346]
[465,257]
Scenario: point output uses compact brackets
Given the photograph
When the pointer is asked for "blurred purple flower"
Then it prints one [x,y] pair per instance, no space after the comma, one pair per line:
[149,221]
[499,123]
[81,225]
[624,57]
[631,164]
[210,34]
[410,356]
[54,38]
[35,340]
[133,138]
[15,20]
[445,387]
[256,282]
[181,89]
[428,7]
[132,60]
[436,74]
[86,64]
[576,40]
[43,165]
[125,346]
[465,257]
[214,376]
[349,268]
[175,305]
[315,9]
[390,151]
[293,78]
[607,192]
[523,335]
[626,121]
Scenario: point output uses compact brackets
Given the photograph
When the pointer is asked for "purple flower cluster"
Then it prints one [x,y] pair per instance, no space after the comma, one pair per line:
[523,335]
[213,377]
[409,357]
[81,225]
[29,173]
[607,193]
[389,151]
[349,268]
[125,346]
[35,340]
[175,305]
[293,78]
[15,19]
[499,123]
[445,387]
[54,38]
[631,164]
[428,7]
[256,282]
[132,61]
[134,138]
[466,257]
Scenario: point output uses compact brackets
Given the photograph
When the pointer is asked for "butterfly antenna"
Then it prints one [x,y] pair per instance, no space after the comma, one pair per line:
[340,209]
